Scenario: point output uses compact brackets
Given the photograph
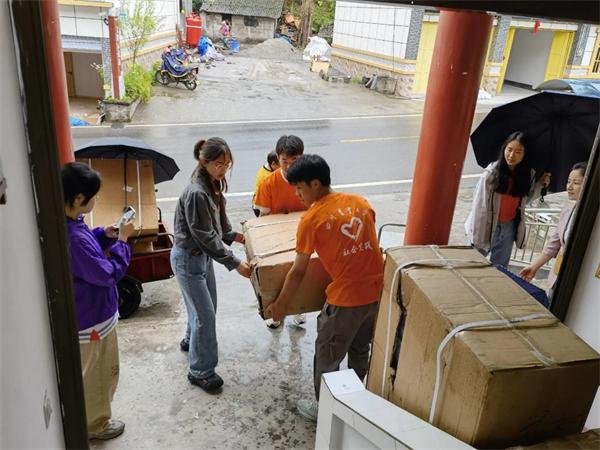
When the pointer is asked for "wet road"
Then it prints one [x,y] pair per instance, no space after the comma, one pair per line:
[362,150]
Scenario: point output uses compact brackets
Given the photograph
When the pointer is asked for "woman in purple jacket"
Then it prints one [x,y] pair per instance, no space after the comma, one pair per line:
[99,259]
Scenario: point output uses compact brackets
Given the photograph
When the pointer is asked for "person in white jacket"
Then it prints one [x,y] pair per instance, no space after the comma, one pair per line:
[497,217]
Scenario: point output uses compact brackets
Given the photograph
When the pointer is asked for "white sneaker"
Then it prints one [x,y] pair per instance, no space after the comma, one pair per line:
[308,409]
[273,324]
[299,319]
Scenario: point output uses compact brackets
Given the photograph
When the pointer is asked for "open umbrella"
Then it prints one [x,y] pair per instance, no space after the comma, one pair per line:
[561,128]
[164,167]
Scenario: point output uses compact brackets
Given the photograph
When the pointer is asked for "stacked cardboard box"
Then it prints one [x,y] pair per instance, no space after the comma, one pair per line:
[270,248]
[590,440]
[513,375]
[124,183]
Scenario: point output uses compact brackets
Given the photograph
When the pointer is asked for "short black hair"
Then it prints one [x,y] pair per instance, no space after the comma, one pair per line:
[272,158]
[289,145]
[79,178]
[308,168]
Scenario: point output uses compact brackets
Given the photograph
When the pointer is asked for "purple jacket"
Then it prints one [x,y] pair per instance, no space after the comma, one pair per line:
[95,276]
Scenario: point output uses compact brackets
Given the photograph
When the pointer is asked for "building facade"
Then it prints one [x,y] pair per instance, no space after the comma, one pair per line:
[86,46]
[250,21]
[398,41]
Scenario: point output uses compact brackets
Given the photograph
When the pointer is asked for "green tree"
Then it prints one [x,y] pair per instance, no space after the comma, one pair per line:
[139,23]
[323,15]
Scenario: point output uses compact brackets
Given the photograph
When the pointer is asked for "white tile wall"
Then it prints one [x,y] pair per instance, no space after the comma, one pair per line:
[84,12]
[373,28]
[67,26]
[589,46]
[66,11]
[89,27]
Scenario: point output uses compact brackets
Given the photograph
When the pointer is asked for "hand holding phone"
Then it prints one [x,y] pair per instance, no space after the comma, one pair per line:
[125,224]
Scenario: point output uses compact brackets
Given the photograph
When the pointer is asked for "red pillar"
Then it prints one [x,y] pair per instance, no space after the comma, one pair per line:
[454,78]
[58,80]
[114,53]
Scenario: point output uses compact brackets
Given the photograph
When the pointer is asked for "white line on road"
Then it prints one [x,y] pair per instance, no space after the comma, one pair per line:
[337,186]
[249,122]
[389,138]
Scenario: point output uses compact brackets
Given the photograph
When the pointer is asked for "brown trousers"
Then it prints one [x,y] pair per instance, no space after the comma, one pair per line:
[100,367]
[343,330]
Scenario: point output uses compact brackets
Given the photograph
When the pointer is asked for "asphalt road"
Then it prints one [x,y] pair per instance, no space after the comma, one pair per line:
[360,150]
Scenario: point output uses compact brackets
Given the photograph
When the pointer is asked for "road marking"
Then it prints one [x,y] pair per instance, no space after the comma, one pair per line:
[250,122]
[389,138]
[337,186]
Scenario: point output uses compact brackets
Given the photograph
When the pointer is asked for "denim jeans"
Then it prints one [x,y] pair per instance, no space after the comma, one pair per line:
[502,243]
[196,278]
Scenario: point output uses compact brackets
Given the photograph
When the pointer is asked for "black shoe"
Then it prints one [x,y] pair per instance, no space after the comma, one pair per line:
[210,384]
[184,345]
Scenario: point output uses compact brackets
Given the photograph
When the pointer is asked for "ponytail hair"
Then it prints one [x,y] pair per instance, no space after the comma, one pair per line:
[207,151]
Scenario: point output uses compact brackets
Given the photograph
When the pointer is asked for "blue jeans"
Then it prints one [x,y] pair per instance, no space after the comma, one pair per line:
[196,278]
[502,243]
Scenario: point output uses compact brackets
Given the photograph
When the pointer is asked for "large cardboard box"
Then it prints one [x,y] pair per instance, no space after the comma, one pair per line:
[590,440]
[270,248]
[498,385]
[125,183]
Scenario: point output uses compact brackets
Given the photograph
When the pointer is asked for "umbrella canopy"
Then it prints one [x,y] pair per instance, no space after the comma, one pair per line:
[164,167]
[561,128]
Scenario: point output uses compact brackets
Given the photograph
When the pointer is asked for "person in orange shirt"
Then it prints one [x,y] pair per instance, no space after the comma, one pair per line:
[275,195]
[265,170]
[341,229]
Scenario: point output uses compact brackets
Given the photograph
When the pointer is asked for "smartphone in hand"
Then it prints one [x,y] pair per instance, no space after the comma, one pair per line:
[128,215]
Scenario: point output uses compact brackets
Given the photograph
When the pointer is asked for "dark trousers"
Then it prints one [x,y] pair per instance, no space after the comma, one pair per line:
[343,330]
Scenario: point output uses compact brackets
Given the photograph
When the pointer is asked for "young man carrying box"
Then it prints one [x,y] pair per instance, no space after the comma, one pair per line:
[341,229]
[275,195]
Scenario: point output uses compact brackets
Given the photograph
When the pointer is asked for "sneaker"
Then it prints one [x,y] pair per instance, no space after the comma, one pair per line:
[112,429]
[308,409]
[184,345]
[299,319]
[210,384]
[273,324]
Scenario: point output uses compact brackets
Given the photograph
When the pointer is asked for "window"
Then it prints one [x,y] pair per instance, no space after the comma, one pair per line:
[251,21]
[596,60]
[226,17]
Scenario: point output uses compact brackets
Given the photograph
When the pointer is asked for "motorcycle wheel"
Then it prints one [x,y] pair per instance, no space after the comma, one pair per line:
[191,84]
[161,78]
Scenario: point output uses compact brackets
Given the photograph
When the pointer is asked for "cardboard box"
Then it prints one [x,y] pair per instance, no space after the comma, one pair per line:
[318,66]
[498,386]
[270,248]
[580,441]
[141,247]
[117,192]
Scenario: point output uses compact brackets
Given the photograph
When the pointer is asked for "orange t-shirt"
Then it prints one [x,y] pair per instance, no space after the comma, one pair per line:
[275,195]
[341,229]
[508,205]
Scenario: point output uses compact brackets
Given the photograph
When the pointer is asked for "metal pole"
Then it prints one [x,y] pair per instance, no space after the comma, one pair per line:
[114,52]
[454,79]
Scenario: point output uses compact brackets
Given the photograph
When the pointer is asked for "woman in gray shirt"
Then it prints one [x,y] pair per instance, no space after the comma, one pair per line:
[202,233]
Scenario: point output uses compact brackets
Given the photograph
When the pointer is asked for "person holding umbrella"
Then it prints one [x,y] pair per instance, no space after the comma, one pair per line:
[555,246]
[201,231]
[497,218]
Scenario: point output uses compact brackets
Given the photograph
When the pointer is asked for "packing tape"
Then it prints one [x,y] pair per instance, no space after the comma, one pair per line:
[139,189]
[260,225]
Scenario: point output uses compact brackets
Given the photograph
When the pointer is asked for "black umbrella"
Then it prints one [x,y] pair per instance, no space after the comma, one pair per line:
[561,128]
[164,167]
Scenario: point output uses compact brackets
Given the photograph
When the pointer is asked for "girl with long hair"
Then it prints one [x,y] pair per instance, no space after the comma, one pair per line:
[202,234]
[496,220]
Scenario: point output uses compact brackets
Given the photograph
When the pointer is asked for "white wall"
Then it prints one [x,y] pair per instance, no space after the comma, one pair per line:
[583,316]
[373,28]
[82,21]
[87,80]
[529,57]
[27,375]
[589,46]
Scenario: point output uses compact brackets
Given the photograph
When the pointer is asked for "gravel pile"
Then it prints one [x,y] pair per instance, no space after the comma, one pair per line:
[273,49]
